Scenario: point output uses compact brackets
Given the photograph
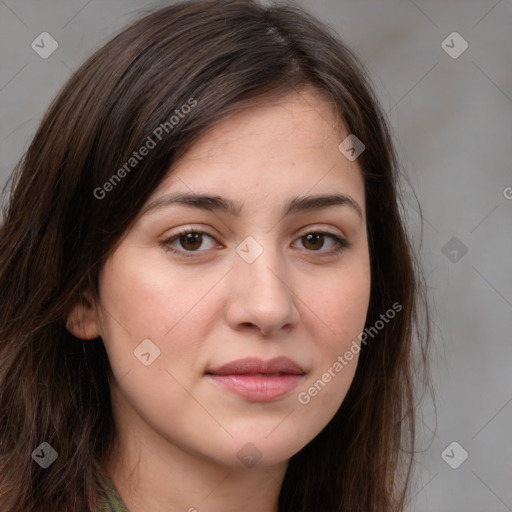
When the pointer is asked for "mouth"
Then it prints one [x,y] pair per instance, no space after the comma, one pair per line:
[257,380]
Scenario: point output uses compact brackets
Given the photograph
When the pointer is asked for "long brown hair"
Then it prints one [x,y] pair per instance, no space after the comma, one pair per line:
[57,233]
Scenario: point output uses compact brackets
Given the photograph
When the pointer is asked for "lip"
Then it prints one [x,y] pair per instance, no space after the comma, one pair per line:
[257,380]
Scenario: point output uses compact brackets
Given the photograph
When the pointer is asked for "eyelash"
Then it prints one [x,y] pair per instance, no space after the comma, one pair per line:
[341,243]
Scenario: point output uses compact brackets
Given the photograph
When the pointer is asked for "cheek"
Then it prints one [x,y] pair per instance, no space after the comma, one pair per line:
[142,293]
[143,298]
[341,306]
[138,293]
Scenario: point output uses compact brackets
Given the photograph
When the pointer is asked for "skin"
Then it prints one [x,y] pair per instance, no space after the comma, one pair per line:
[178,433]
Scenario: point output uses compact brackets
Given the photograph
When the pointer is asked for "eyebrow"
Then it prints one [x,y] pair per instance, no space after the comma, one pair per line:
[214,203]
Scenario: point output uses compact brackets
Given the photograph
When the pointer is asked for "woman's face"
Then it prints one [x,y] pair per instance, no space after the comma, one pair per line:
[246,283]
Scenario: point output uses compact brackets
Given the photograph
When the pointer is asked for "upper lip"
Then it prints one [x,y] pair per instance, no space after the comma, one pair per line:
[252,366]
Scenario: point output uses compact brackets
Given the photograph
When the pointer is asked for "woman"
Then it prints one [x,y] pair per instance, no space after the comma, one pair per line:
[208,294]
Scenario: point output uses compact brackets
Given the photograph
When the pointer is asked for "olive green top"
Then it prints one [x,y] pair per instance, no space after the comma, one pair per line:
[110,501]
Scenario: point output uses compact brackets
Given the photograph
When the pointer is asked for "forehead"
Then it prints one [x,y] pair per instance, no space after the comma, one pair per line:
[299,119]
[281,146]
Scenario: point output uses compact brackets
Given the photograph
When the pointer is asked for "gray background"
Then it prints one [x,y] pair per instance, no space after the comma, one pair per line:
[452,121]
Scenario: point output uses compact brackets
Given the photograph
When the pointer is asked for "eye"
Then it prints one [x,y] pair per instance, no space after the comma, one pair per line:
[192,240]
[189,240]
[314,240]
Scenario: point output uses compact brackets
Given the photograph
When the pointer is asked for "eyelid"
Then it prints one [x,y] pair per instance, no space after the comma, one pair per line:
[318,228]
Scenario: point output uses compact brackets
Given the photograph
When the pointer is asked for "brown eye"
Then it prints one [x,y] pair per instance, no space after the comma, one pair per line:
[188,243]
[315,241]
[191,241]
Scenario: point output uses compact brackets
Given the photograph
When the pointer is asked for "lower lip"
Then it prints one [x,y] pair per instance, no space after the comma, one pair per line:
[258,388]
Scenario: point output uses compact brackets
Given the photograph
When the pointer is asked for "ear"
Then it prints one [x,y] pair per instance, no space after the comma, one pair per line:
[82,319]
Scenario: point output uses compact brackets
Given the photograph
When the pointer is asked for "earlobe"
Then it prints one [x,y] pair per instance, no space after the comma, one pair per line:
[82,319]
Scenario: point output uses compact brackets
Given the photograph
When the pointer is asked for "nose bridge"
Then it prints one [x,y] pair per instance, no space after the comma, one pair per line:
[258,262]
[264,296]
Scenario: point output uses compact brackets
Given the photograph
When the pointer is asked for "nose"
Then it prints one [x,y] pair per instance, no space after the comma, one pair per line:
[261,294]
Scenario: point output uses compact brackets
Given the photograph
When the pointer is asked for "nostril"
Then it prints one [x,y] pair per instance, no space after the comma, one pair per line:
[250,325]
